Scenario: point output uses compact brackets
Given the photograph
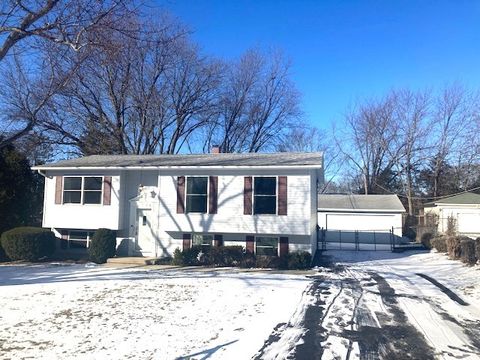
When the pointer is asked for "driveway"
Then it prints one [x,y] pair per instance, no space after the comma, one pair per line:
[386,306]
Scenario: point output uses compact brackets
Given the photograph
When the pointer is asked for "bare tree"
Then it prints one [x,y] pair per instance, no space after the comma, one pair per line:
[367,142]
[258,102]
[305,138]
[412,115]
[455,116]
[145,95]
[67,22]
[28,31]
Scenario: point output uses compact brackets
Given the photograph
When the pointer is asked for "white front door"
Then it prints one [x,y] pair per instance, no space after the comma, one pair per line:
[145,239]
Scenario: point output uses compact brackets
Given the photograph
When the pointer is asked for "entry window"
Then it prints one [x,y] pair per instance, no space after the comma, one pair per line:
[82,189]
[202,240]
[266,246]
[265,195]
[197,194]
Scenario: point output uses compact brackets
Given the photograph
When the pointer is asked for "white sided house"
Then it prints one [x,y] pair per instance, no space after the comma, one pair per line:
[462,210]
[266,203]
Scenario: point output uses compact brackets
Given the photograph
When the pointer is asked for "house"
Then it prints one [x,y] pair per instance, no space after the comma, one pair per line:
[463,210]
[365,219]
[157,203]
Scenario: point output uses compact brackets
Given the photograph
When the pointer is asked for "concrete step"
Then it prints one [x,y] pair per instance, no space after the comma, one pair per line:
[132,260]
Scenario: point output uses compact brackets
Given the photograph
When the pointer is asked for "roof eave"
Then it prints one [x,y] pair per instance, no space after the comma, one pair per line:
[361,210]
[213,167]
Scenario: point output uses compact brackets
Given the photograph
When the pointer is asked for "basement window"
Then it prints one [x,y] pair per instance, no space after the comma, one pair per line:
[78,239]
[202,239]
[267,246]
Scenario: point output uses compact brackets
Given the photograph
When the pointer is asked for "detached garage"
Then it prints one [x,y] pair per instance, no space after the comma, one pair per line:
[364,219]
[463,208]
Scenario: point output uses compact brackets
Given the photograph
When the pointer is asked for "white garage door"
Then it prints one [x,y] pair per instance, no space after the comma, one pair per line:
[469,223]
[361,222]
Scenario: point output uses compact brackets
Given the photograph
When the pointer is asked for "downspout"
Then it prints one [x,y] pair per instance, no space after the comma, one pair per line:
[44,194]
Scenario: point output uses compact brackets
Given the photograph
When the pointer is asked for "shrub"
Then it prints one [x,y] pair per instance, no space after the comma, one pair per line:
[28,243]
[236,256]
[223,256]
[453,246]
[299,260]
[440,243]
[102,246]
[3,256]
[451,226]
[426,240]
[410,233]
[188,257]
[477,248]
[248,260]
[468,251]
[263,261]
[177,257]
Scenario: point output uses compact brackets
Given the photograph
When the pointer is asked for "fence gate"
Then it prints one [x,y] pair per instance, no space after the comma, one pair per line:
[356,239]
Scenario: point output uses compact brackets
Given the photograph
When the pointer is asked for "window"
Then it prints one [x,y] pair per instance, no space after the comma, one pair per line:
[82,190]
[72,190]
[203,240]
[78,239]
[265,195]
[266,246]
[197,194]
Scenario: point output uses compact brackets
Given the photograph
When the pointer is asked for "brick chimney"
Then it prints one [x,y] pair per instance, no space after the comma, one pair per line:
[215,149]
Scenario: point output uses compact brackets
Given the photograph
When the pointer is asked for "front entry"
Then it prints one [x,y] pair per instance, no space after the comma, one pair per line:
[145,238]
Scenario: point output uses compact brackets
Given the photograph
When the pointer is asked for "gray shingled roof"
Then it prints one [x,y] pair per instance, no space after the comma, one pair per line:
[249,159]
[360,202]
[465,198]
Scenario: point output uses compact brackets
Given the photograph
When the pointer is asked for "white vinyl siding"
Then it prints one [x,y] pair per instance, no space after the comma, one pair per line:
[229,217]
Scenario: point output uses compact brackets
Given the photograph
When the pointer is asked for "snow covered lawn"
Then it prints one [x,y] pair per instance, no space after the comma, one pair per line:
[359,305]
[74,311]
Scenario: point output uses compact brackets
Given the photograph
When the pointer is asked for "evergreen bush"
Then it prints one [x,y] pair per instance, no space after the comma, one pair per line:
[102,246]
[28,243]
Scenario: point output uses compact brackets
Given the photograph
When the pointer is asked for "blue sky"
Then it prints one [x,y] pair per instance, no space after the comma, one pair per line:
[343,51]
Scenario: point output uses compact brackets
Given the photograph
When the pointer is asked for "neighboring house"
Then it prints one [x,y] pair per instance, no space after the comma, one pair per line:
[265,202]
[374,219]
[463,210]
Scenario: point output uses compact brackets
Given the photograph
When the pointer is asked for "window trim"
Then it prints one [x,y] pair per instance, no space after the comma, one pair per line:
[276,193]
[207,196]
[268,236]
[82,189]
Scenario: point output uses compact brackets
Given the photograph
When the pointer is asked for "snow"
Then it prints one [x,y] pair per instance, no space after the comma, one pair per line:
[454,274]
[79,311]
[447,326]
[367,303]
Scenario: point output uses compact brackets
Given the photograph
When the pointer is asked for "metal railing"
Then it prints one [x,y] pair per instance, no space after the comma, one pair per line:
[357,240]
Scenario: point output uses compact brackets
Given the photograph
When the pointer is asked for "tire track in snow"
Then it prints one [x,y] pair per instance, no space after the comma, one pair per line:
[451,337]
